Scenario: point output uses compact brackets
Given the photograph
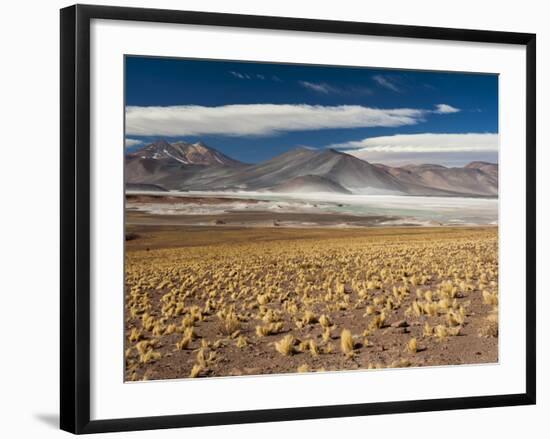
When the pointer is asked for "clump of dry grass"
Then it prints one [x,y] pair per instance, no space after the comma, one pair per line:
[229,324]
[454,331]
[489,327]
[490,298]
[186,339]
[241,342]
[432,309]
[347,344]
[308,318]
[135,335]
[303,346]
[158,329]
[455,318]
[149,355]
[402,362]
[441,332]
[447,289]
[325,321]
[196,371]
[263,299]
[271,329]
[369,310]
[170,329]
[148,322]
[187,322]
[313,348]
[271,316]
[285,346]
[219,343]
[412,346]
[326,334]
[377,322]
[304,368]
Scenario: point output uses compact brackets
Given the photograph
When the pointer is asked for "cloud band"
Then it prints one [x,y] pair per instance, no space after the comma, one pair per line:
[261,119]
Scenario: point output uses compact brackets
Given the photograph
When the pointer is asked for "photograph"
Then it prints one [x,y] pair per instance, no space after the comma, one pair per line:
[297,218]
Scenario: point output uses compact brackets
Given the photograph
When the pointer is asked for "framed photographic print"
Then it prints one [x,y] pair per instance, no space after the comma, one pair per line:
[284,218]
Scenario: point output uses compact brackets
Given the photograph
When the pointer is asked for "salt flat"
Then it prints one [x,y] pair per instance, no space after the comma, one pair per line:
[420,210]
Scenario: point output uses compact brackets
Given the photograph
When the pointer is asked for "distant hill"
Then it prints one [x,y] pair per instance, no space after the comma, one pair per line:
[353,174]
[309,184]
[186,166]
[476,178]
[185,153]
[177,165]
[488,168]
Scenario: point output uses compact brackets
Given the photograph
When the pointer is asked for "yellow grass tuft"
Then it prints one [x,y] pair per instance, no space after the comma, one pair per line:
[369,310]
[428,330]
[158,329]
[271,329]
[489,327]
[326,334]
[324,321]
[170,329]
[455,331]
[490,298]
[149,356]
[186,339]
[309,318]
[455,318]
[377,321]
[241,342]
[412,346]
[441,332]
[346,342]
[135,335]
[403,362]
[285,346]
[229,324]
[313,348]
[195,371]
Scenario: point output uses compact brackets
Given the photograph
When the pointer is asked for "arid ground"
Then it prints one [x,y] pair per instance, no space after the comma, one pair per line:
[221,299]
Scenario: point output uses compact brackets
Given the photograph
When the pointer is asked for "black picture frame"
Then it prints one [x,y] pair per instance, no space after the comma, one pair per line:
[75,217]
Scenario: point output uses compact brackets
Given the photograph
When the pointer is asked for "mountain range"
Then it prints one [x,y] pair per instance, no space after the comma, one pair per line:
[196,166]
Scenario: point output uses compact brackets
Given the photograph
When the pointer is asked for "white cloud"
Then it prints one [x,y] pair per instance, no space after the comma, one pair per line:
[445,109]
[260,119]
[324,88]
[386,82]
[239,75]
[242,75]
[427,142]
[319,87]
[445,149]
[131,142]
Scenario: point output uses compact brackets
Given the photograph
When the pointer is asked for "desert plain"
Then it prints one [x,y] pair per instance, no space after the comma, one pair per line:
[260,290]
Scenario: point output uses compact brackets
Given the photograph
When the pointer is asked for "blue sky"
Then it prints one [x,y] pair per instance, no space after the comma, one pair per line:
[254,111]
